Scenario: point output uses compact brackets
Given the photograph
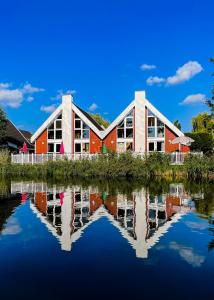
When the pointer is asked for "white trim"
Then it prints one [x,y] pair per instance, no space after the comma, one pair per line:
[45,125]
[87,121]
[163,118]
[119,119]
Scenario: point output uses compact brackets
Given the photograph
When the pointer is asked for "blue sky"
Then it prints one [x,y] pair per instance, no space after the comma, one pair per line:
[97,50]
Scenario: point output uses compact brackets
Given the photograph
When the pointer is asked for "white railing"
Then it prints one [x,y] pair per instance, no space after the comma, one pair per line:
[32,158]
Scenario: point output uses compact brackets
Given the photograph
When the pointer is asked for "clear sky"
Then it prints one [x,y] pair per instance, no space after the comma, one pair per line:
[103,51]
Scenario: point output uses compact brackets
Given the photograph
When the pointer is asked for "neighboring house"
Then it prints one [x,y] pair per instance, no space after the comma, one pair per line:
[139,128]
[15,138]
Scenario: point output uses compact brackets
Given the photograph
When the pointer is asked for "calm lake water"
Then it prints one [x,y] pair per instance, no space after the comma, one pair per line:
[107,240]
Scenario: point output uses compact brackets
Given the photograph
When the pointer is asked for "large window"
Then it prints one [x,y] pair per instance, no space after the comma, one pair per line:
[125,128]
[55,129]
[81,130]
[53,148]
[155,126]
[156,146]
[81,136]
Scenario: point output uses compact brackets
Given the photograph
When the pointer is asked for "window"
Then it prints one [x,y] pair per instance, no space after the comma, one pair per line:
[155,126]
[129,146]
[50,147]
[81,148]
[160,146]
[156,146]
[151,132]
[55,129]
[81,130]
[151,146]
[85,147]
[78,148]
[125,128]
[57,148]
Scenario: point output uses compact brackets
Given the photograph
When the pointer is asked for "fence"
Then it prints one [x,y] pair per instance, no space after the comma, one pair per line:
[32,158]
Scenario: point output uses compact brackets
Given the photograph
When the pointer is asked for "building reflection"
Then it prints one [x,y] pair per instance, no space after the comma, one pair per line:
[141,218]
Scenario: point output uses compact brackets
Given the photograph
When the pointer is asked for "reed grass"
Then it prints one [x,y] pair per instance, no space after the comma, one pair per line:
[112,166]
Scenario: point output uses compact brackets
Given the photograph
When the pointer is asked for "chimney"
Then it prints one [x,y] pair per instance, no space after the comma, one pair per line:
[67,122]
[140,95]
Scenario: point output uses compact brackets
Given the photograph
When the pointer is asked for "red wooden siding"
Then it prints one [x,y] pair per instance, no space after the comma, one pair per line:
[95,143]
[41,143]
[111,140]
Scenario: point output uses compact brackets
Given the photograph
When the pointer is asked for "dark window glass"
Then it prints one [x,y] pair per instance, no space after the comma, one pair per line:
[151,146]
[129,133]
[85,126]
[129,122]
[77,197]
[77,124]
[51,126]
[159,123]
[57,148]
[50,134]
[58,124]
[50,148]
[160,146]
[151,132]
[151,121]
[58,134]
[77,148]
[77,134]
[120,133]
[85,134]
[59,117]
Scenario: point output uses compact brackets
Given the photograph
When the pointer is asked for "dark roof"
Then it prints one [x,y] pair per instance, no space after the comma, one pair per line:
[13,134]
[88,116]
[27,134]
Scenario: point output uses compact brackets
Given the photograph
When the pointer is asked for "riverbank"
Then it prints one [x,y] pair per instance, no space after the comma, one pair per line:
[113,166]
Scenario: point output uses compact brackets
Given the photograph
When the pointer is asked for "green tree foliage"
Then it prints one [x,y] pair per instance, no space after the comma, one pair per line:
[3,124]
[203,141]
[203,123]
[210,101]
[100,120]
[177,124]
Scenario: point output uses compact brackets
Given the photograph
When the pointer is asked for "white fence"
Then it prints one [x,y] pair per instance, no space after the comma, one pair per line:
[32,158]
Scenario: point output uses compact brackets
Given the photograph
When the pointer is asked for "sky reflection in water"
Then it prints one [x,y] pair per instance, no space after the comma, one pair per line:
[76,242]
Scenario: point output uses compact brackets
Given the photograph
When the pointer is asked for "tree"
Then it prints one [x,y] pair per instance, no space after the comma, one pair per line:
[100,120]
[3,124]
[177,124]
[210,101]
[203,123]
[203,141]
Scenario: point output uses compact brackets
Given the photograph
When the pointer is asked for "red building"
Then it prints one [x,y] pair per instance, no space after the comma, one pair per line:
[139,128]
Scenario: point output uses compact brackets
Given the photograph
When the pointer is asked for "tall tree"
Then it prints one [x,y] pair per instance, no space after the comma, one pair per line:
[210,101]
[3,124]
[100,120]
[203,122]
[177,124]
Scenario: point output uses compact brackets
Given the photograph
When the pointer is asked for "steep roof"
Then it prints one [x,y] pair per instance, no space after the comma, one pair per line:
[91,119]
[27,134]
[15,135]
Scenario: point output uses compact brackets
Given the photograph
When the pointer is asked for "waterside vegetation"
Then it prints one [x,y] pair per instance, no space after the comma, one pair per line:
[112,166]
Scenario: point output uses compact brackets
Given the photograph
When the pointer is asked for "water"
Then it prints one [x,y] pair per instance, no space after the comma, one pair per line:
[112,240]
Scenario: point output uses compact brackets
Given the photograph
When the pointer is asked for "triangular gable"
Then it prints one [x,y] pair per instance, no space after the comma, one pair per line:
[87,121]
[163,118]
[45,125]
[119,119]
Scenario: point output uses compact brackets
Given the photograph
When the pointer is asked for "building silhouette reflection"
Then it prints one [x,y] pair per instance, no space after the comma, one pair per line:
[141,218]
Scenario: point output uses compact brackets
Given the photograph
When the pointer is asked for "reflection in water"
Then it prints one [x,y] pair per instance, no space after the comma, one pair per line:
[141,218]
